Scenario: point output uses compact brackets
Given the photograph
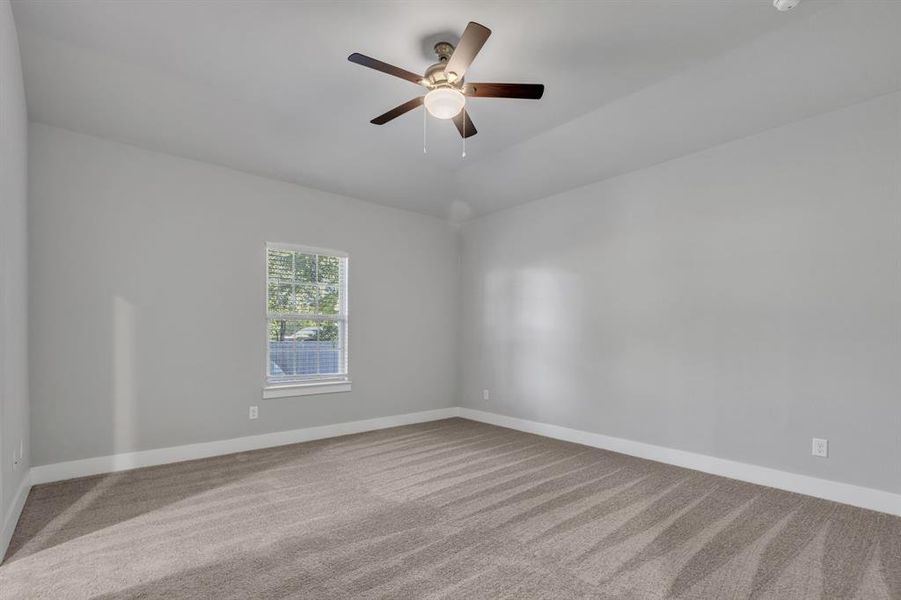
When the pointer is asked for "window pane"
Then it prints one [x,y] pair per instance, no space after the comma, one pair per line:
[281,297]
[330,347]
[329,269]
[293,348]
[281,264]
[329,301]
[304,268]
[307,299]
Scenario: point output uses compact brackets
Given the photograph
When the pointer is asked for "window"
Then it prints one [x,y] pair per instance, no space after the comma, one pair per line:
[306,326]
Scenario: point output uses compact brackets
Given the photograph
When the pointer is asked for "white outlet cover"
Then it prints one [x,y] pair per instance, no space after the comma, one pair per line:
[820,447]
[485,395]
[254,412]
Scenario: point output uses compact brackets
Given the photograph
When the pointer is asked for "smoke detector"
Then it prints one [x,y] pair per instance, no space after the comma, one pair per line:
[784,5]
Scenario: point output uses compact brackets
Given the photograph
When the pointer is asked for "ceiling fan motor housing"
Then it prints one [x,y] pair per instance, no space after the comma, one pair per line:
[435,76]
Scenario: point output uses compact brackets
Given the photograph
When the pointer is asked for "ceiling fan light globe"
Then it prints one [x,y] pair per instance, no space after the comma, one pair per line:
[444,103]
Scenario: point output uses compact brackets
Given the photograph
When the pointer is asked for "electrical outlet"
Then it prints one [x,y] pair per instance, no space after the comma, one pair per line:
[820,447]
[254,412]
[486,395]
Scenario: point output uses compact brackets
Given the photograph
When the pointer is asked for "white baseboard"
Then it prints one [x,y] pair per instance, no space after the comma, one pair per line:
[13,513]
[845,493]
[159,456]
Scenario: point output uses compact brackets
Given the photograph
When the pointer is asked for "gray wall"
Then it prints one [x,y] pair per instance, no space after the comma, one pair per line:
[14,430]
[148,300]
[736,302]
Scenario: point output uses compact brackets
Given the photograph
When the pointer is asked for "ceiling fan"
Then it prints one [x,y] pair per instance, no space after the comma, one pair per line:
[447,91]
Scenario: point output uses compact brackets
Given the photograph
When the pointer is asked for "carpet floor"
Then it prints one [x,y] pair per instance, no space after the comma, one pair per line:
[447,509]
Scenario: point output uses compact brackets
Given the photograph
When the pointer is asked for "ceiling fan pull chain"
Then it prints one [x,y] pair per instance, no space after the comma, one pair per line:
[464,135]
[424,122]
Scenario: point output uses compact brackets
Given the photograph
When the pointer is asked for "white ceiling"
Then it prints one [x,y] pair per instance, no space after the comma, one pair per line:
[265,87]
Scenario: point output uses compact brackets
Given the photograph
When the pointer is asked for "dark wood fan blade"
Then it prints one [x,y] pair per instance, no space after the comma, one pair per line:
[529,91]
[397,111]
[474,37]
[384,67]
[464,124]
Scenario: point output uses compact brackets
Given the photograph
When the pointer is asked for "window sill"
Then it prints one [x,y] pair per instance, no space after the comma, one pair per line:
[305,389]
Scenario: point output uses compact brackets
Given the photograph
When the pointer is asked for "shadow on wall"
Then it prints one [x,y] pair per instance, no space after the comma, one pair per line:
[124,376]
[92,504]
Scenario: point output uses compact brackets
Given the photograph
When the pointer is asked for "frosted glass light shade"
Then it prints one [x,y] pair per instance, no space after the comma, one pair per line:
[444,103]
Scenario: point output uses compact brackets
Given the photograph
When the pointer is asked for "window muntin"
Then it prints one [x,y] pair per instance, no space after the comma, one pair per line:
[306,326]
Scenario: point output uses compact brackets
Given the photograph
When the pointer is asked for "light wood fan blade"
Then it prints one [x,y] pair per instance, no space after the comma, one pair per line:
[397,111]
[366,61]
[464,124]
[474,37]
[528,91]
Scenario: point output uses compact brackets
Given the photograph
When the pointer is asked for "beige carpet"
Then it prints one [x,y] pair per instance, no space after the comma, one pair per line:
[449,509]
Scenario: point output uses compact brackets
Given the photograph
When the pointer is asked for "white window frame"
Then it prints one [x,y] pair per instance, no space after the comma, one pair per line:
[317,384]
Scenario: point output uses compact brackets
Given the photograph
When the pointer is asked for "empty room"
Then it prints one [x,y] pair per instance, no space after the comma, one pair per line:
[450,300]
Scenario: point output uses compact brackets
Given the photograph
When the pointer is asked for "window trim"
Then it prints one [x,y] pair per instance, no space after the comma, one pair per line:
[317,384]
[306,389]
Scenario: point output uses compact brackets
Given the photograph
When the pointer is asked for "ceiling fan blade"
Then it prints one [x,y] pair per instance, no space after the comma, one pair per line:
[397,111]
[464,124]
[474,37]
[384,67]
[529,91]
